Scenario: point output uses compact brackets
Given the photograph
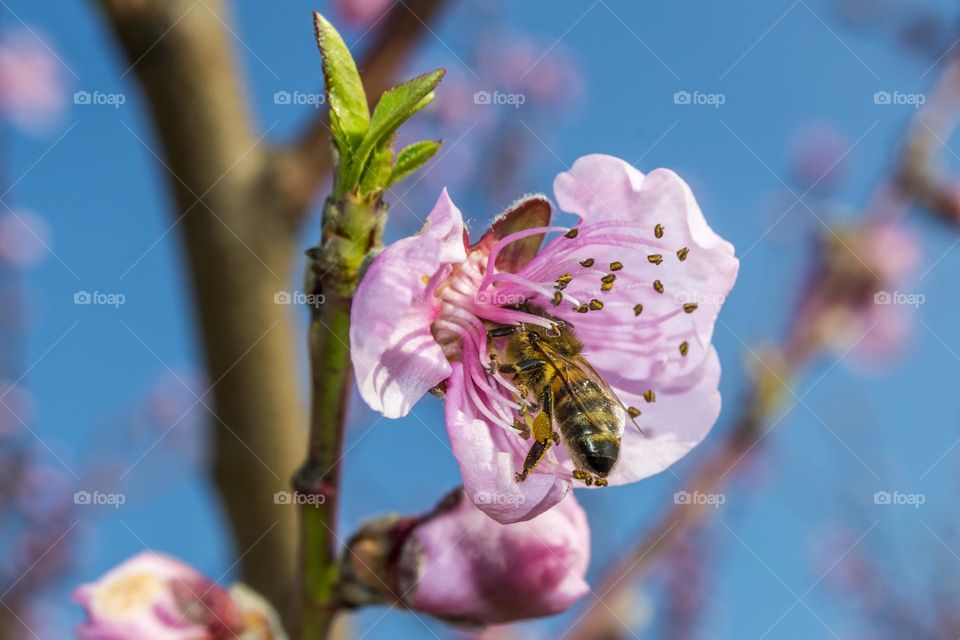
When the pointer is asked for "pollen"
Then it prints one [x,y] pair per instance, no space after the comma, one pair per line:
[658,286]
[684,348]
[563,281]
[655,258]
[658,231]
[637,309]
[596,305]
[425,279]
[649,395]
[557,298]
[682,254]
[606,286]
[616,266]
[587,263]
[690,307]
[633,412]
[572,233]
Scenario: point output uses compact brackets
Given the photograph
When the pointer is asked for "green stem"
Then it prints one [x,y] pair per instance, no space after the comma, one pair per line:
[351,229]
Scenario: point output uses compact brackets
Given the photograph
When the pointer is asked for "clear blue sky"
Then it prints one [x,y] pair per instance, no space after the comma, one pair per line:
[780,65]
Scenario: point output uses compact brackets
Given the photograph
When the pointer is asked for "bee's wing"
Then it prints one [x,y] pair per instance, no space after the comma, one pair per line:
[570,369]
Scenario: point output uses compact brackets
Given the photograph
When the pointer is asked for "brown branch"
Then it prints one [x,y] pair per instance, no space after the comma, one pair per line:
[240,251]
[306,161]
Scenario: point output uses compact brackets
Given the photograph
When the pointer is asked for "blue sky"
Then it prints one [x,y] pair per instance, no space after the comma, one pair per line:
[779,66]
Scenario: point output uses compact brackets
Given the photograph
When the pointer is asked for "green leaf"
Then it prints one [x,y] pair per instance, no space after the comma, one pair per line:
[412,158]
[349,113]
[396,105]
[378,172]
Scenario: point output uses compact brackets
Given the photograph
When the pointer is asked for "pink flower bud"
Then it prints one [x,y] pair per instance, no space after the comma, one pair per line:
[460,565]
[155,597]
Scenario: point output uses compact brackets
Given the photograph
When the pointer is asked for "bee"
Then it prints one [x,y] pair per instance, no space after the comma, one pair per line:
[568,393]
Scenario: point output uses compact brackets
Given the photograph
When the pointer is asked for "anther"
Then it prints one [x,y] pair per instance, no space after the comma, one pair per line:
[655,258]
[563,281]
[690,307]
[557,298]
[633,412]
[684,348]
[596,305]
[682,253]
[608,279]
[606,286]
[649,395]
[637,309]
[582,308]
[658,286]
[425,279]
[658,231]
[616,266]
[572,233]
[587,263]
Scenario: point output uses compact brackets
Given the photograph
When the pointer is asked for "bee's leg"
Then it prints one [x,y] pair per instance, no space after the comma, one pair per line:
[523,366]
[580,474]
[543,435]
[502,331]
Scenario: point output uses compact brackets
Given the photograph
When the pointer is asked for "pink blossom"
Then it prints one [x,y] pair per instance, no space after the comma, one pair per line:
[422,313]
[362,13]
[457,564]
[155,597]
[32,90]
[468,567]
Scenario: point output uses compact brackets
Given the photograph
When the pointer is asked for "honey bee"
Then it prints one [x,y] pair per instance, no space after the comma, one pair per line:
[568,393]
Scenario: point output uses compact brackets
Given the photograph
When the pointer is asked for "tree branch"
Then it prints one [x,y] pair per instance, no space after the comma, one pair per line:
[240,251]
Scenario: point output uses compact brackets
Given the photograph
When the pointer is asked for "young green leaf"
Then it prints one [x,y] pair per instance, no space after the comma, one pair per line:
[412,158]
[349,114]
[393,109]
[379,170]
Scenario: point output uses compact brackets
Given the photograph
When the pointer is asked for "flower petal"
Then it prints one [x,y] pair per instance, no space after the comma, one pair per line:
[489,458]
[598,187]
[681,416]
[395,358]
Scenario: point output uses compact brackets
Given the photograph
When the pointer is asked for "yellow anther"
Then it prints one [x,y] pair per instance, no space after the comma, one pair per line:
[587,263]
[690,307]
[572,233]
[637,309]
[655,258]
[658,286]
[633,412]
[649,395]
[684,348]
[682,253]
[596,305]
[616,266]
[658,231]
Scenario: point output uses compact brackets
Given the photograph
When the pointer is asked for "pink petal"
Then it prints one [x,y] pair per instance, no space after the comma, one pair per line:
[395,358]
[489,458]
[678,420]
[473,569]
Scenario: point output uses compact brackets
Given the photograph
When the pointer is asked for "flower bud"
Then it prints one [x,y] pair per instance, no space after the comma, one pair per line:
[458,564]
[155,597]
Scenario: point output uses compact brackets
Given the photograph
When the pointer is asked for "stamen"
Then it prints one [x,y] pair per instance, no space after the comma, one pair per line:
[582,308]
[690,307]
[684,348]
[563,281]
[655,258]
[608,279]
[682,253]
[596,305]
[658,231]
[586,264]
[606,286]
[513,237]
[572,233]
[649,395]
[637,309]
[658,286]
[557,298]
[633,412]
